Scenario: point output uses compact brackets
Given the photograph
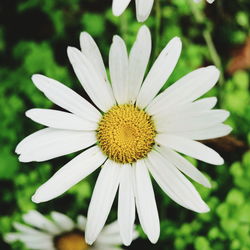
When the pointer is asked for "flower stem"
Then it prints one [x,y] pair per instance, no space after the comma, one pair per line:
[200,18]
[157,27]
[124,26]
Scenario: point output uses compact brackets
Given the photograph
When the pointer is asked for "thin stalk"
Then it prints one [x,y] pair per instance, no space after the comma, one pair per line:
[157,26]
[124,26]
[199,17]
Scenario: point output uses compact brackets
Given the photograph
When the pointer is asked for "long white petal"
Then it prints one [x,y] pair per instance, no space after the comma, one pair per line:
[60,120]
[36,219]
[50,143]
[28,230]
[41,244]
[63,221]
[186,122]
[190,108]
[102,199]
[110,240]
[206,133]
[172,181]
[118,66]
[187,89]
[91,51]
[11,237]
[70,174]
[184,166]
[81,222]
[143,9]
[106,247]
[138,61]
[112,228]
[159,73]
[189,147]
[66,98]
[145,202]
[126,205]
[119,6]
[97,88]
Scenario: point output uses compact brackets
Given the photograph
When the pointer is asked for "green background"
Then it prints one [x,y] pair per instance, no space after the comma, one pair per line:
[34,35]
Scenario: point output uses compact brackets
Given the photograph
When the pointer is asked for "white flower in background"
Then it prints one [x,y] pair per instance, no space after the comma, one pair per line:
[136,132]
[143,7]
[61,233]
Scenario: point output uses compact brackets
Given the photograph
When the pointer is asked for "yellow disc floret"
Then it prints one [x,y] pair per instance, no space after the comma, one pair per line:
[71,241]
[126,133]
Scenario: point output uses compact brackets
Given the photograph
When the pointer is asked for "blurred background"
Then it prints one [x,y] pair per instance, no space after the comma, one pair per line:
[34,35]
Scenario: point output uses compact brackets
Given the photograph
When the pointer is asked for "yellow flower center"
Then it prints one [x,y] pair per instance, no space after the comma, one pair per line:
[71,241]
[126,133]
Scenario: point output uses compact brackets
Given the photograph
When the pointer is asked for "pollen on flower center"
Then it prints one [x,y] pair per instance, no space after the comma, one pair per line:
[126,133]
[71,241]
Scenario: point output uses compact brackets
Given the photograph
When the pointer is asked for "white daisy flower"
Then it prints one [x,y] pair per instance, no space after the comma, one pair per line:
[143,7]
[133,131]
[62,233]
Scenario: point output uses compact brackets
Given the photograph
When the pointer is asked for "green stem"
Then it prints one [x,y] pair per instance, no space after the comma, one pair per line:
[213,53]
[199,17]
[124,26]
[157,26]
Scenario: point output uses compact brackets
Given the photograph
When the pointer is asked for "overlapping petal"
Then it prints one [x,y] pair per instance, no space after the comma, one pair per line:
[126,204]
[97,88]
[50,143]
[159,73]
[174,183]
[70,174]
[102,199]
[145,202]
[66,98]
[118,66]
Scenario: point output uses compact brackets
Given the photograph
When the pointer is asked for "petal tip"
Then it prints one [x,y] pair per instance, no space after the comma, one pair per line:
[35,199]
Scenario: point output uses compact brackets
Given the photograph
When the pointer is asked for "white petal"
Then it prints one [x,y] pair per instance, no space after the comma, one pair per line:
[28,230]
[176,186]
[184,166]
[81,222]
[35,239]
[102,199]
[70,174]
[189,109]
[66,98]
[36,219]
[187,89]
[138,61]
[98,90]
[110,240]
[143,9]
[159,73]
[63,221]
[60,120]
[118,66]
[210,1]
[92,52]
[112,228]
[206,133]
[42,244]
[126,205]
[11,237]
[50,143]
[145,202]
[105,247]
[31,241]
[188,122]
[192,148]
[119,6]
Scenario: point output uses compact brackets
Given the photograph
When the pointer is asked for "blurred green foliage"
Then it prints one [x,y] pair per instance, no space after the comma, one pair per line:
[34,36]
